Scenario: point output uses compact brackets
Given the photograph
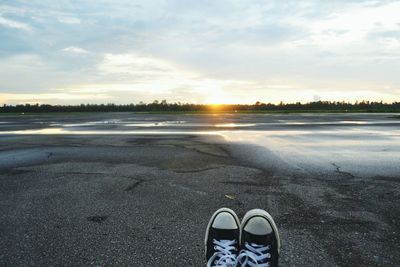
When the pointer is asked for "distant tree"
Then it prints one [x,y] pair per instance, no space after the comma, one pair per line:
[365,106]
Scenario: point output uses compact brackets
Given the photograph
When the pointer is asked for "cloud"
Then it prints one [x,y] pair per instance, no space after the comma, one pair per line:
[52,98]
[75,49]
[14,24]
[69,20]
[242,50]
[133,64]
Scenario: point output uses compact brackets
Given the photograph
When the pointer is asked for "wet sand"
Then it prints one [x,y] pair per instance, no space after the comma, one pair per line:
[122,189]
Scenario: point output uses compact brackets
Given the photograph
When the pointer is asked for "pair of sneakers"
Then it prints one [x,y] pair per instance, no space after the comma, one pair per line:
[253,242]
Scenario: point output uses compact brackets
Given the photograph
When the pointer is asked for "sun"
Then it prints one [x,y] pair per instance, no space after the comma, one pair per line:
[218,99]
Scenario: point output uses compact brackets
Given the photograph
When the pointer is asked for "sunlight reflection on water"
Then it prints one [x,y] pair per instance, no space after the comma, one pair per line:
[235,125]
[357,145]
[56,131]
[181,124]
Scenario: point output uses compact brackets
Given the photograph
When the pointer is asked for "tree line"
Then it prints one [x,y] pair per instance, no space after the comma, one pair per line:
[164,106]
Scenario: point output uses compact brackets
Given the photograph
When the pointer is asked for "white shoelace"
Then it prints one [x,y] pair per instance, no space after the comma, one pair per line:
[253,254]
[223,255]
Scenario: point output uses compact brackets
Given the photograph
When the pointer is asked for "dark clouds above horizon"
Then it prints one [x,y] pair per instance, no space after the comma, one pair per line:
[198,51]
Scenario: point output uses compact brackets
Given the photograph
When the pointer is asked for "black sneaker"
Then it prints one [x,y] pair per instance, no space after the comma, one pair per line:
[259,240]
[222,238]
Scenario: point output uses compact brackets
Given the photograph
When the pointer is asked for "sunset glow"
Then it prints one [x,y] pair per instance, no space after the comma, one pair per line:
[214,52]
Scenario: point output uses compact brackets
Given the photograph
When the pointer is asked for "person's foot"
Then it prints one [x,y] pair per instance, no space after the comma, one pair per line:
[259,240]
[222,238]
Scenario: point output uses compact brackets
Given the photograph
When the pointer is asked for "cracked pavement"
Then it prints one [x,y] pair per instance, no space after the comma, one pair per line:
[145,199]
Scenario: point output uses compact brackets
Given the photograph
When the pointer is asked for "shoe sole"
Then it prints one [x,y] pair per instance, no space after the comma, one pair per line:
[212,219]
[267,216]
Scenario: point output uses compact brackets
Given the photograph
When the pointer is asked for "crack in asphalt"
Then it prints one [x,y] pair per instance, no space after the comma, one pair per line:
[98,218]
[135,184]
[198,170]
[342,172]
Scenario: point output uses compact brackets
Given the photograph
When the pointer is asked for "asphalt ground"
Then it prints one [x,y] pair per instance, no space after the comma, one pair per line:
[138,190]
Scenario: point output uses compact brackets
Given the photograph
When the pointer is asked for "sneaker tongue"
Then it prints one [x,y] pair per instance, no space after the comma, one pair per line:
[224,234]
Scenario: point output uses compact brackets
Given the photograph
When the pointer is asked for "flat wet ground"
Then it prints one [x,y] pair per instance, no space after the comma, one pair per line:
[138,189]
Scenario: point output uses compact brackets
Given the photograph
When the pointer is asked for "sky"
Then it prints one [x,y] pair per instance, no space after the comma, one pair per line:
[203,51]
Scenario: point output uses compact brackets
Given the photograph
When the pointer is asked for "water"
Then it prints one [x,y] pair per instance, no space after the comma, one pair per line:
[367,144]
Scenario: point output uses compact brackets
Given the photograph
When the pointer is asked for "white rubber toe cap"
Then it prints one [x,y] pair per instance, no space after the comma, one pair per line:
[225,220]
[258,226]
[264,226]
